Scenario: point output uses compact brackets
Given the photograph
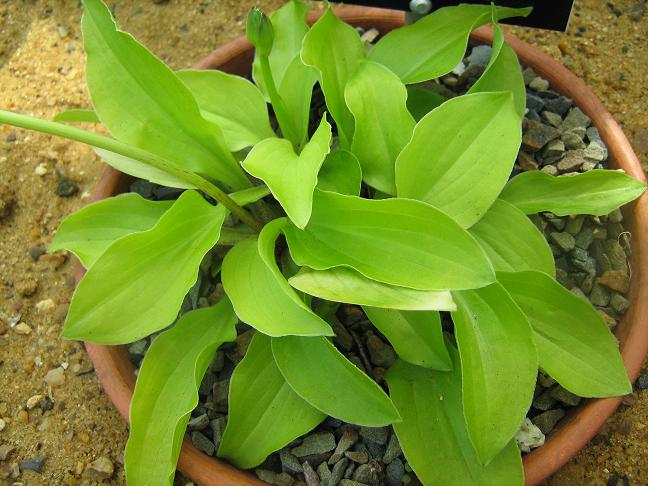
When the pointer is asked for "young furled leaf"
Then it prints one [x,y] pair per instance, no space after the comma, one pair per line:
[395,241]
[520,247]
[433,432]
[137,285]
[434,45]
[343,284]
[143,103]
[461,155]
[574,344]
[383,126]
[499,366]
[265,414]
[88,232]
[417,337]
[291,178]
[322,376]
[232,103]
[167,391]
[296,91]
[596,192]
[503,73]
[335,50]
[259,292]
[340,173]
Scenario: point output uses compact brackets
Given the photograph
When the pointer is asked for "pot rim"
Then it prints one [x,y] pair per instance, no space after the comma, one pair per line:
[116,373]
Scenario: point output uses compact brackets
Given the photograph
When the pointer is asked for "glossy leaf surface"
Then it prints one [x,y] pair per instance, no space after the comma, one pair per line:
[574,344]
[322,376]
[513,243]
[167,391]
[259,292]
[76,115]
[417,337]
[296,91]
[422,101]
[265,414]
[291,178]
[499,366]
[596,192]
[383,125]
[395,241]
[88,232]
[334,48]
[434,45]
[143,103]
[341,173]
[433,432]
[461,155]
[137,286]
[341,284]
[231,102]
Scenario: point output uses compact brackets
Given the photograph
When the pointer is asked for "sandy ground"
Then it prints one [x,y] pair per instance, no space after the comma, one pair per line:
[42,72]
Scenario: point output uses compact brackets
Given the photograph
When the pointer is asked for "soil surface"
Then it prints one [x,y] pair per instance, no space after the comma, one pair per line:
[72,425]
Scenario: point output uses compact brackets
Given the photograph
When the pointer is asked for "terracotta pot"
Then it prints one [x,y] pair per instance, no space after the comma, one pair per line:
[116,373]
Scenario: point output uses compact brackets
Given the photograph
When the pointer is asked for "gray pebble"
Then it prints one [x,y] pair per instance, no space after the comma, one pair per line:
[552,118]
[587,165]
[544,401]
[218,429]
[34,464]
[290,463]
[323,472]
[539,84]
[572,160]
[377,435]
[480,54]
[576,119]
[618,257]
[535,103]
[572,140]
[394,473]
[317,443]
[203,443]
[348,482]
[349,437]
[545,380]
[35,252]
[338,472]
[580,294]
[310,476]
[553,151]
[393,449]
[381,354]
[619,303]
[349,471]
[558,105]
[599,295]
[593,134]
[550,169]
[575,225]
[642,381]
[537,135]
[363,474]
[615,216]
[359,457]
[596,151]
[528,74]
[199,422]
[66,187]
[565,241]
[546,421]
[220,394]
[565,396]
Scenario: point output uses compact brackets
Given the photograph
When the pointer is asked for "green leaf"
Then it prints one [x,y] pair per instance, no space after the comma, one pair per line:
[433,432]
[259,292]
[503,73]
[383,126]
[461,155]
[143,103]
[296,91]
[395,241]
[167,391]
[290,27]
[265,414]
[88,232]
[422,101]
[341,173]
[231,102]
[417,337]
[511,241]
[596,192]
[342,284]
[574,344]
[137,286]
[434,45]
[322,376]
[499,366]
[335,50]
[75,115]
[291,178]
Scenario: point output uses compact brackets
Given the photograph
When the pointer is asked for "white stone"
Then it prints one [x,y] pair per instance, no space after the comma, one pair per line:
[529,436]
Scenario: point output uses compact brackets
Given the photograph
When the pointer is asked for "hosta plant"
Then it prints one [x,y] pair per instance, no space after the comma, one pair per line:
[393,199]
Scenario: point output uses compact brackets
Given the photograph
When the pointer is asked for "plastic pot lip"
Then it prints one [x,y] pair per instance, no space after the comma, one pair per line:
[116,373]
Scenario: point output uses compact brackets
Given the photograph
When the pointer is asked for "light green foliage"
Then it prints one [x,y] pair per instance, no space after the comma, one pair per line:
[259,292]
[137,98]
[480,135]
[291,177]
[434,252]
[341,173]
[322,376]
[433,432]
[596,192]
[416,336]
[319,227]
[383,126]
[521,246]
[499,366]
[231,102]
[265,413]
[167,391]
[88,232]
[335,50]
[503,73]
[434,45]
[137,285]
[574,344]
[343,284]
